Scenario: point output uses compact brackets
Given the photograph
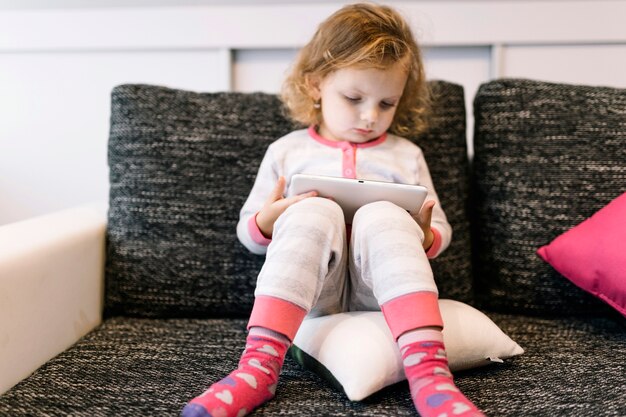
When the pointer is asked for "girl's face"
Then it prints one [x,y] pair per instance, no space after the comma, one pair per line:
[358,104]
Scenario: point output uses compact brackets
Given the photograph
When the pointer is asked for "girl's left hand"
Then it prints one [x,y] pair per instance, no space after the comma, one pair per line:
[423,218]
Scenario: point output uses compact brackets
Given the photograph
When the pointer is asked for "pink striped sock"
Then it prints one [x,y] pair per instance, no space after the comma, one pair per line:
[426,367]
[250,385]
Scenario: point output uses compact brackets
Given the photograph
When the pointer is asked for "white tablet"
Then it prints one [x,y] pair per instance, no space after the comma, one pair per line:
[351,194]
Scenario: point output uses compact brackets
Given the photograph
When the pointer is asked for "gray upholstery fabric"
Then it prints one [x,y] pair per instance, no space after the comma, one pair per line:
[182,164]
[547,156]
[151,367]
[445,149]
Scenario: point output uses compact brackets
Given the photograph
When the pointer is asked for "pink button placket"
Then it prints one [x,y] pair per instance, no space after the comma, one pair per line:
[348,150]
[349,160]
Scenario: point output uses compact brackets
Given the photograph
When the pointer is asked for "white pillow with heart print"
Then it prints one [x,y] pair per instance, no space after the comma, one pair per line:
[356,350]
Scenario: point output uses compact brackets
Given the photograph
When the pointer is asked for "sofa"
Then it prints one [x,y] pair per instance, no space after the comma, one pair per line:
[150,295]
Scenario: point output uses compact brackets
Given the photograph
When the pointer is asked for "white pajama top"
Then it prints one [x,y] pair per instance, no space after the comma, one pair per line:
[388,158]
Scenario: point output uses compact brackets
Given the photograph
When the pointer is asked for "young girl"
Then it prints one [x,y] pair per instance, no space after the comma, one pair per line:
[358,78]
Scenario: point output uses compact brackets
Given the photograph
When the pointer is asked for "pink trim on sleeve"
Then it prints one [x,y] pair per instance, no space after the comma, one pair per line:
[255,232]
[434,248]
[412,311]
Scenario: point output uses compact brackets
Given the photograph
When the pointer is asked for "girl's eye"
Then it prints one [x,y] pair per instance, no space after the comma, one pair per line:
[386,105]
[352,99]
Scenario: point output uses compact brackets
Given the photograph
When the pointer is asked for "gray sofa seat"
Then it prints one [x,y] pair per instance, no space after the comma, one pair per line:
[179,286]
[139,366]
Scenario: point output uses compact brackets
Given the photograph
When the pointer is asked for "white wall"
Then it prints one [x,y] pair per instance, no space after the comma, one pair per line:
[58,65]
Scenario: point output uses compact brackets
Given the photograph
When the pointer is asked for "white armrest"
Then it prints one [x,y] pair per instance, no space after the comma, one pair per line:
[51,287]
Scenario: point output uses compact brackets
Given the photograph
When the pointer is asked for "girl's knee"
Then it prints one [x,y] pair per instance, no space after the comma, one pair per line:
[383,217]
[314,210]
[316,205]
[380,210]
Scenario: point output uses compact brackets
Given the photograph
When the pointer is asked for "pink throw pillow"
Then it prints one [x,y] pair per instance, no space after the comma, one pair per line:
[593,254]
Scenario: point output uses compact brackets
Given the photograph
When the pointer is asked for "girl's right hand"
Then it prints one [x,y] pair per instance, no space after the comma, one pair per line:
[275,205]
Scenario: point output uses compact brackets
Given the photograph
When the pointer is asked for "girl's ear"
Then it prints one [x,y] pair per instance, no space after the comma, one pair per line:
[313,86]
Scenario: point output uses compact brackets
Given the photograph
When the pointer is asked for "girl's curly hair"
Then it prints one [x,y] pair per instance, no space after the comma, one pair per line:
[361,35]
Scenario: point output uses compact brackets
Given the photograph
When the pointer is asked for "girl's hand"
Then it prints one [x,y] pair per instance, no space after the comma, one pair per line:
[275,205]
[423,218]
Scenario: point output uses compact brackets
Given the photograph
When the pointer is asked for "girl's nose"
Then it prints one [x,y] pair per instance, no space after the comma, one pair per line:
[369,115]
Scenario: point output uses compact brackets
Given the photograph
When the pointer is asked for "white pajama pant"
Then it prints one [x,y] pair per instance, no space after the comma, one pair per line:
[308,262]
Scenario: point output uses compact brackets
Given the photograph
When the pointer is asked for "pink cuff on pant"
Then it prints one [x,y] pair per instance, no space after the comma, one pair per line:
[277,314]
[412,311]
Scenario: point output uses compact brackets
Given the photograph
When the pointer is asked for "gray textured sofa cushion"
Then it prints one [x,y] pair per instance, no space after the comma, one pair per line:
[151,367]
[181,165]
[547,156]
